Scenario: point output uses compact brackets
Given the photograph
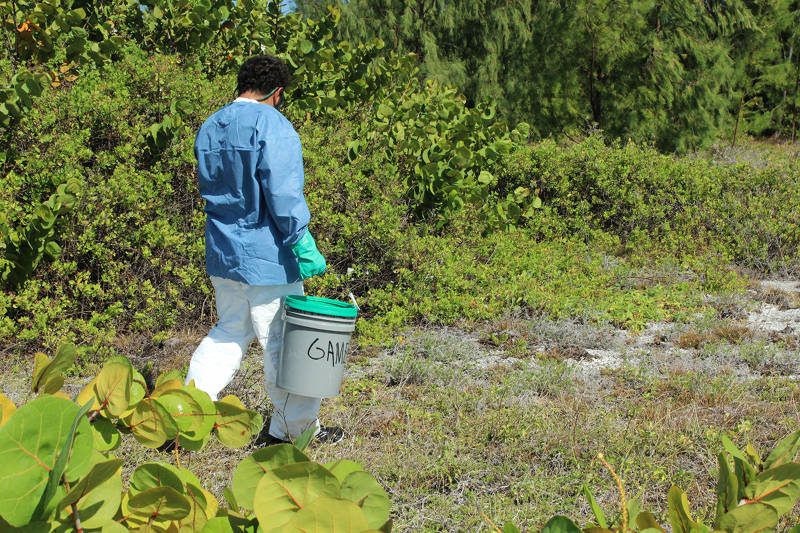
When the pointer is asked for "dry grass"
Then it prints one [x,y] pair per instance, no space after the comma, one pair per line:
[783,300]
[730,332]
[516,439]
[453,425]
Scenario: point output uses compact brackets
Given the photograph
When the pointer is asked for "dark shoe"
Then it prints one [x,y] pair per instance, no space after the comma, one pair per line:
[329,435]
[265,438]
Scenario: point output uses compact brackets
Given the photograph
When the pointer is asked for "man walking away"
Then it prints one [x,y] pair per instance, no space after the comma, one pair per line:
[258,247]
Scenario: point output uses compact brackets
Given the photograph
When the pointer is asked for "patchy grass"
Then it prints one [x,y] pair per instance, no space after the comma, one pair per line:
[506,417]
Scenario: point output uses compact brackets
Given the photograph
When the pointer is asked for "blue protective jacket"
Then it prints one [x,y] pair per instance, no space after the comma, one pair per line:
[250,168]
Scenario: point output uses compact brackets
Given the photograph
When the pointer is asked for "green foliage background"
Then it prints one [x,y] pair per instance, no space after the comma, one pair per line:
[679,74]
[427,208]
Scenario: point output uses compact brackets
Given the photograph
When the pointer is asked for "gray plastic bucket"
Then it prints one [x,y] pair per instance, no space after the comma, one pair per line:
[314,350]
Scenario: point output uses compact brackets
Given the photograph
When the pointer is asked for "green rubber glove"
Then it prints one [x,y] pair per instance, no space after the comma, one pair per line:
[310,261]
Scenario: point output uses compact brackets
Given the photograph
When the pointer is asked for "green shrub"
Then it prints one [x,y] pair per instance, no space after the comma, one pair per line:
[425,209]
[745,212]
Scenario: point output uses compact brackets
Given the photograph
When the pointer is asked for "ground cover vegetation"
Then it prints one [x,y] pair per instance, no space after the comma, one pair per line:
[430,211]
[59,475]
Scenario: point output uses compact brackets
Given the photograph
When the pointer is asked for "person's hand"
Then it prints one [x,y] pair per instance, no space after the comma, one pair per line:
[310,261]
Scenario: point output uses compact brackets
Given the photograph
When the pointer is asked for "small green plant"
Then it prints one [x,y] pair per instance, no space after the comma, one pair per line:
[25,247]
[752,494]
[171,126]
[58,474]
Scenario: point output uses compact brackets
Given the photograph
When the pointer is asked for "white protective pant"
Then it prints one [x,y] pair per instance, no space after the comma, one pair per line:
[248,311]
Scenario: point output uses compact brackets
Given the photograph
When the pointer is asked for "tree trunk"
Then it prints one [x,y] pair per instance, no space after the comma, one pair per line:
[738,118]
[796,96]
[592,94]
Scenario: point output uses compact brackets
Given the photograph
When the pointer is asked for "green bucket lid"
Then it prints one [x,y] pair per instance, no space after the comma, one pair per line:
[322,306]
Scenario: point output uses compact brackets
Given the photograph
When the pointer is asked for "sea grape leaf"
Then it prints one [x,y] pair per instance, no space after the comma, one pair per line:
[745,474]
[113,387]
[200,506]
[151,424]
[230,499]
[284,490]
[646,521]
[88,393]
[99,474]
[105,435]
[186,476]
[203,502]
[752,453]
[256,422]
[138,388]
[242,524]
[32,527]
[341,468]
[168,381]
[7,408]
[364,490]
[193,445]
[233,427]
[97,495]
[48,375]
[112,527]
[230,399]
[60,466]
[560,524]
[29,444]
[220,524]
[151,475]
[252,469]
[731,448]
[194,416]
[40,363]
[328,515]
[233,422]
[212,505]
[52,385]
[159,503]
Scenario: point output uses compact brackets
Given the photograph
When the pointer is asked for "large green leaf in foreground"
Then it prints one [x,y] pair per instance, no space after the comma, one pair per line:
[363,489]
[29,444]
[253,468]
[328,515]
[285,490]
[97,495]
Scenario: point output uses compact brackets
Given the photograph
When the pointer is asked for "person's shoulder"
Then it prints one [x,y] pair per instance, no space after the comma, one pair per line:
[274,123]
[215,117]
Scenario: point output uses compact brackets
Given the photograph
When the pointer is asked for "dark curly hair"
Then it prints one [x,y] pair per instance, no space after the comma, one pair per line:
[262,74]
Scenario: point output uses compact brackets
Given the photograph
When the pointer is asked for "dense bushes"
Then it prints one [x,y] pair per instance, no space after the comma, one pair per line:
[132,244]
[132,259]
[425,209]
[745,212]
